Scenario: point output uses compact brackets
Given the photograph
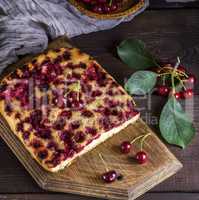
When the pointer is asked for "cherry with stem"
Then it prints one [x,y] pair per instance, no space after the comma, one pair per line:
[126,145]
[110,175]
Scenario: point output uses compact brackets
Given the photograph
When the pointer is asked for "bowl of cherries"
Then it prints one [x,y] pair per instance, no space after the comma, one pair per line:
[108,9]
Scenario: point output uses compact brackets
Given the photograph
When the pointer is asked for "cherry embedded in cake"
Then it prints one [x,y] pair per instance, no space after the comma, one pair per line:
[63,104]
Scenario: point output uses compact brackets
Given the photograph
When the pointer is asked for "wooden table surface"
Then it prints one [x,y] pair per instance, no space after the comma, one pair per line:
[169,30]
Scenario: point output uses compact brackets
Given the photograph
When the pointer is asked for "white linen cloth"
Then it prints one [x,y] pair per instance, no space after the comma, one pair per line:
[26,25]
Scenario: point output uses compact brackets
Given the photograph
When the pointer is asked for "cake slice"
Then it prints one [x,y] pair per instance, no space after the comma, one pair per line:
[63,104]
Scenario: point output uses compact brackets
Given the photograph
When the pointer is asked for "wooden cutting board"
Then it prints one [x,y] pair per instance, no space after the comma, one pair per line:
[83,176]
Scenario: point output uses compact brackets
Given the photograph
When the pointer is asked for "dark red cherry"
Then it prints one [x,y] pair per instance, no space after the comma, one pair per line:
[44,133]
[106,8]
[26,135]
[86,1]
[182,69]
[66,135]
[188,93]
[80,137]
[42,154]
[141,157]
[91,73]
[35,118]
[75,125]
[125,147]
[59,124]
[192,79]
[101,1]
[66,114]
[96,93]
[178,95]
[114,7]
[98,9]
[20,127]
[36,144]
[66,55]
[52,145]
[87,113]
[17,116]
[109,176]
[91,131]
[163,90]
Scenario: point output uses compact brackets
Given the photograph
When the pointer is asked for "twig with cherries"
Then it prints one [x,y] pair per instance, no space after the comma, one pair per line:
[170,80]
[169,76]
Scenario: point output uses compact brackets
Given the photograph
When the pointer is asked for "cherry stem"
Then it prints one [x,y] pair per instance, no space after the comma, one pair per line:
[173,75]
[163,74]
[181,82]
[143,139]
[137,138]
[182,73]
[171,70]
[164,80]
[104,163]
[110,3]
[133,102]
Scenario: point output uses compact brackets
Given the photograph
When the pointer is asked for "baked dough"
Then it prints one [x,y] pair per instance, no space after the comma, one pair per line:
[62,104]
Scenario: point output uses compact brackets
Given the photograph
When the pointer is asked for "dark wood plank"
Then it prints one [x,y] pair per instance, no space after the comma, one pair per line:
[15,179]
[76,180]
[163,4]
[153,196]
[43,197]
[178,35]
[170,196]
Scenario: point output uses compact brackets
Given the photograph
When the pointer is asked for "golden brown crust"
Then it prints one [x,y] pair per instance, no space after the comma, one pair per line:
[63,104]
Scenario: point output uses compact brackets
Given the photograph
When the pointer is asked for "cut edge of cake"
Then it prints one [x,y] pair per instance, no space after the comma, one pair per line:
[103,137]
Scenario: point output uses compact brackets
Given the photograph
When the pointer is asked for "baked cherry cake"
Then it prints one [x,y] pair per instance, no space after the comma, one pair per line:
[63,104]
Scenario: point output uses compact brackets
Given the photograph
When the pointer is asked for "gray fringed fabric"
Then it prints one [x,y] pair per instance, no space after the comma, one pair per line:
[26,25]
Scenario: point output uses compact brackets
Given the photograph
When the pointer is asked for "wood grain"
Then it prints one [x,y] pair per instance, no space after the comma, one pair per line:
[178,35]
[163,4]
[83,177]
[148,196]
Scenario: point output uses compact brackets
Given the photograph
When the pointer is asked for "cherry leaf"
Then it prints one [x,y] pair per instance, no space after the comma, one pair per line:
[175,126]
[134,53]
[141,82]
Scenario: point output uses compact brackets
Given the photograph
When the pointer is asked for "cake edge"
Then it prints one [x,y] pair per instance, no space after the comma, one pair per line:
[103,137]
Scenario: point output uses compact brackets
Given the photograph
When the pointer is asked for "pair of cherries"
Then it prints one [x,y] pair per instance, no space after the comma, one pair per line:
[140,157]
[125,147]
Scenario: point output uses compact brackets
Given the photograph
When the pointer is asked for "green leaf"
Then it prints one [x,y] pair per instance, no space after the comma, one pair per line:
[141,82]
[175,126]
[134,53]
